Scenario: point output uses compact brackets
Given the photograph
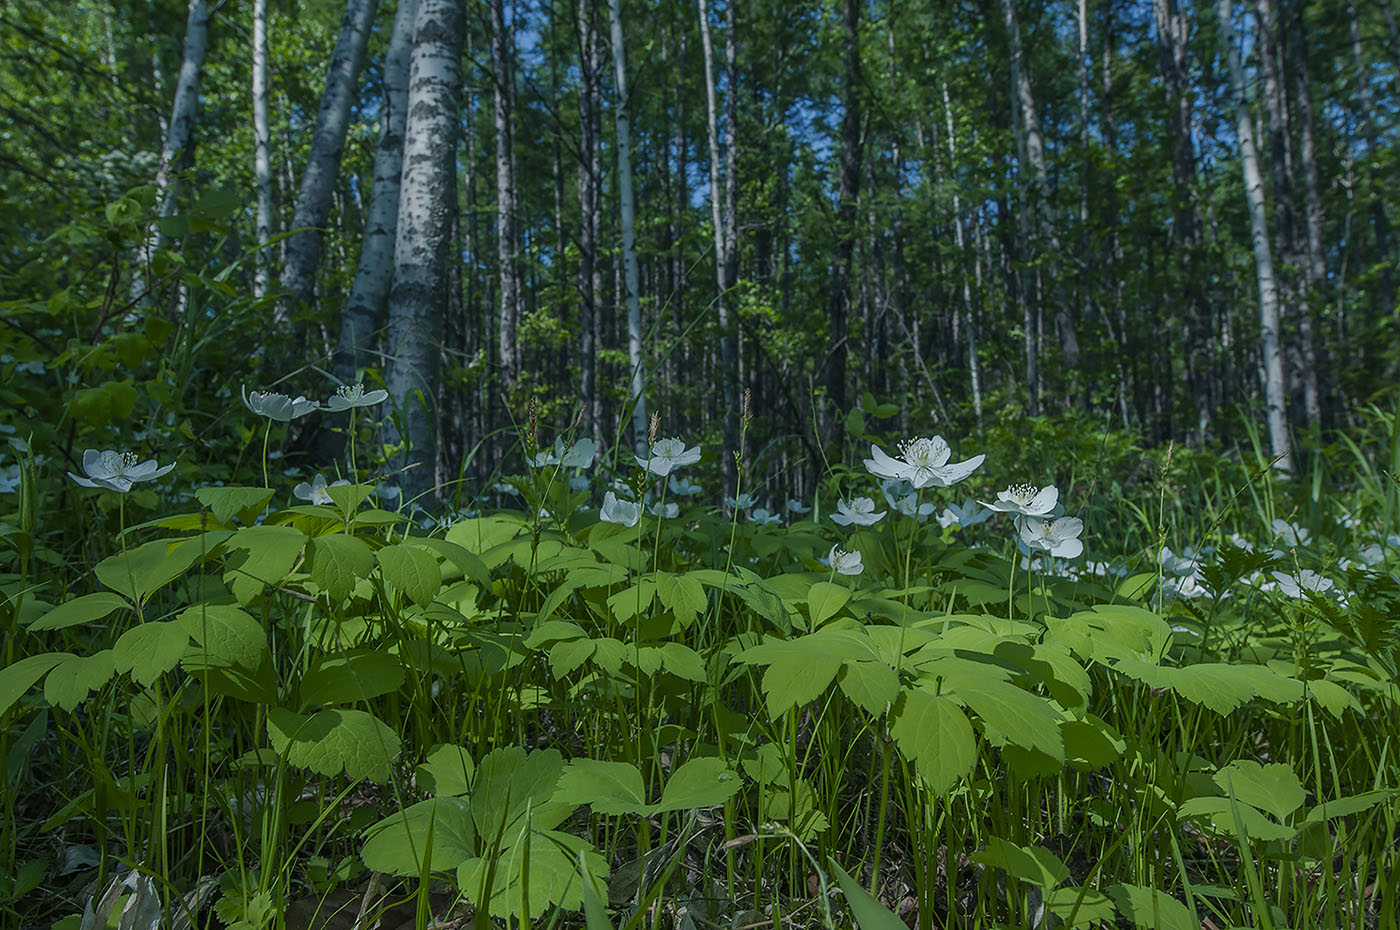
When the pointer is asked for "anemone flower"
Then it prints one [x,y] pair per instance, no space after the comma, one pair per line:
[278,407]
[117,471]
[617,510]
[350,396]
[1026,500]
[1060,538]
[843,562]
[922,462]
[858,512]
[668,455]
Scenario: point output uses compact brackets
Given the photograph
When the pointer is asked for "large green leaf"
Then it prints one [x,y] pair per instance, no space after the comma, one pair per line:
[1273,788]
[540,866]
[137,573]
[357,675]
[446,771]
[230,502]
[1080,907]
[83,609]
[150,650]
[1024,719]
[1033,864]
[608,787]
[935,734]
[869,913]
[333,741]
[683,594]
[825,601]
[223,637]
[337,563]
[703,782]
[399,843]
[509,783]
[259,556]
[1152,909]
[411,570]
[19,677]
[872,685]
[1228,817]
[73,679]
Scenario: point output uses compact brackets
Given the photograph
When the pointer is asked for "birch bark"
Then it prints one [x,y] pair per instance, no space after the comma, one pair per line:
[262,165]
[507,228]
[626,208]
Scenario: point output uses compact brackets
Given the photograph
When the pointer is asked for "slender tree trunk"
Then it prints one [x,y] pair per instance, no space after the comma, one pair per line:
[363,315]
[626,208]
[729,377]
[424,235]
[1380,222]
[1315,264]
[302,253]
[1033,222]
[507,230]
[262,165]
[848,193]
[1269,342]
[589,271]
[974,368]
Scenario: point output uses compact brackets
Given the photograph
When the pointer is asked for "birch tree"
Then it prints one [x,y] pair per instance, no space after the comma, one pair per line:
[507,233]
[590,281]
[262,166]
[363,315]
[302,253]
[423,240]
[838,306]
[626,216]
[1270,348]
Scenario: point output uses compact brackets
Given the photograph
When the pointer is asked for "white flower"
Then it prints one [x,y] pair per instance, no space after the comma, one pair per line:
[1026,500]
[579,455]
[117,471]
[1306,580]
[668,454]
[1371,555]
[763,517]
[671,510]
[904,498]
[922,462]
[617,510]
[277,407]
[968,513]
[1059,537]
[349,396]
[578,483]
[859,512]
[683,487]
[315,492]
[796,506]
[844,563]
[1291,534]
[744,501]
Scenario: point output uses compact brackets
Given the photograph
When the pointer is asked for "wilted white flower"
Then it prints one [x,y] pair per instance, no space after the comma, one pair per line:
[683,487]
[796,506]
[843,562]
[277,407]
[922,462]
[315,492]
[763,517]
[1060,538]
[968,513]
[1026,500]
[744,501]
[1290,533]
[670,511]
[859,512]
[669,454]
[904,498]
[617,510]
[117,471]
[1306,580]
[350,396]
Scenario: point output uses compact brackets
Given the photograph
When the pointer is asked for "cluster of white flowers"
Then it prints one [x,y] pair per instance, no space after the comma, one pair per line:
[283,408]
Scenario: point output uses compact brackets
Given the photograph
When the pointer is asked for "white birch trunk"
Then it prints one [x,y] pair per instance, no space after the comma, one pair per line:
[507,229]
[626,207]
[363,315]
[1269,343]
[424,237]
[262,165]
[303,248]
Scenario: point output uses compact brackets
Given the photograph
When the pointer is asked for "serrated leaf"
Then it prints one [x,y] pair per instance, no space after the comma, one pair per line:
[447,771]
[1273,788]
[683,662]
[150,650]
[1090,743]
[1021,717]
[872,685]
[703,782]
[509,783]
[1152,909]
[825,601]
[73,679]
[83,609]
[1223,688]
[259,556]
[1342,807]
[935,734]
[333,741]
[223,636]
[684,595]
[1227,817]
[337,563]
[542,867]
[140,572]
[568,655]
[1034,864]
[19,677]
[230,502]
[399,844]
[1087,906]
[608,787]
[632,600]
[357,675]
[412,570]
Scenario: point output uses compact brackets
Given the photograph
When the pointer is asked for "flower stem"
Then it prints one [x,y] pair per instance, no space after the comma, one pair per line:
[266,429]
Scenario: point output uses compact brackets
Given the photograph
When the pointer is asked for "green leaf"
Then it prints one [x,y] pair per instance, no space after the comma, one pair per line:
[19,677]
[1034,864]
[229,652]
[872,685]
[825,601]
[1273,788]
[683,662]
[333,741]
[1227,817]
[935,734]
[703,782]
[1021,717]
[608,787]
[73,679]
[348,497]
[798,670]
[398,844]
[258,556]
[337,563]
[138,573]
[358,675]
[509,783]
[684,595]
[1090,743]
[150,650]
[83,609]
[230,502]
[412,570]
[632,600]
[1342,807]
[447,770]
[1151,909]
[542,867]
[98,406]
[1223,687]
[869,913]
[1092,908]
